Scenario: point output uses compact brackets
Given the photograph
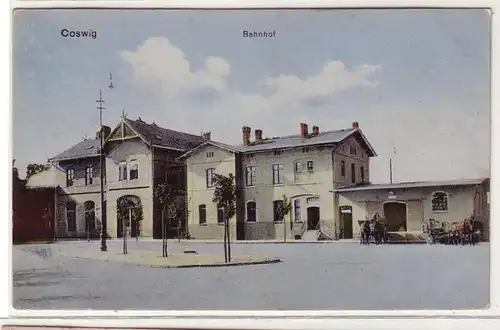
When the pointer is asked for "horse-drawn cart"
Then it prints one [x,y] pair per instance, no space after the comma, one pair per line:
[462,232]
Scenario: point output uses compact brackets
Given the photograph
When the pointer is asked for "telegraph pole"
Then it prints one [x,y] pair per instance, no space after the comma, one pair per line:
[390,162]
[100,107]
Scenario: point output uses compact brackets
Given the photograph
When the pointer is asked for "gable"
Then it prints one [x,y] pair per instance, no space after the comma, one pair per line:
[122,131]
[209,153]
[358,140]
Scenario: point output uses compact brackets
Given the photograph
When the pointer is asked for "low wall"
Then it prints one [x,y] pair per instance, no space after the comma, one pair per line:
[259,230]
[211,231]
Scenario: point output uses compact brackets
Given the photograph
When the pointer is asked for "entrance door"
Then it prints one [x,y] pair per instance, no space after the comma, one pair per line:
[128,213]
[395,215]
[312,217]
[346,221]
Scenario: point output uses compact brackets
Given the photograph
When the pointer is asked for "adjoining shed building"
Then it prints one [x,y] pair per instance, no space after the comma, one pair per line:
[407,206]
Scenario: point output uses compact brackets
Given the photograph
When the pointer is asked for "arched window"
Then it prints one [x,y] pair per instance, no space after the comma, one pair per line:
[439,201]
[251,211]
[122,171]
[134,169]
[71,215]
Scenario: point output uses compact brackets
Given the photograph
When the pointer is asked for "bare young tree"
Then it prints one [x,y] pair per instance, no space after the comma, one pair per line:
[166,198]
[128,209]
[225,195]
[284,208]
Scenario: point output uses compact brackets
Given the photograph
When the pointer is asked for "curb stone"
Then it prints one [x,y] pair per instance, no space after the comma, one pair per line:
[207,265]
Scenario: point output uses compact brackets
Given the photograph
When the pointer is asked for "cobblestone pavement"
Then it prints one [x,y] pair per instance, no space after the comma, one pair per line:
[310,277]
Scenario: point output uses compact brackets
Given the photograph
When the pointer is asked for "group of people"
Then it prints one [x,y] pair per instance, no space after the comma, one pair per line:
[374,231]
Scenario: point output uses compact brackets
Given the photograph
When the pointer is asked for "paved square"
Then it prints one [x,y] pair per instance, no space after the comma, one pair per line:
[311,277]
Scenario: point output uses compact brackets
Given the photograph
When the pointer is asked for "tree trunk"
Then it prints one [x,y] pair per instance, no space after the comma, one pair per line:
[179,230]
[163,242]
[228,241]
[225,240]
[284,228]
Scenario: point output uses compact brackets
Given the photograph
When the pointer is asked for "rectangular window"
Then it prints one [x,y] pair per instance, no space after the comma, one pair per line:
[89,175]
[362,171]
[134,170]
[210,177]
[342,168]
[353,173]
[70,177]
[210,154]
[278,211]
[310,166]
[354,151]
[202,213]
[278,174]
[298,166]
[250,176]
[122,171]
[220,214]
[296,207]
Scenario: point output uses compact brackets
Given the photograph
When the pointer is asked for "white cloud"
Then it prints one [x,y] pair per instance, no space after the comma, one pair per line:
[158,61]
[334,77]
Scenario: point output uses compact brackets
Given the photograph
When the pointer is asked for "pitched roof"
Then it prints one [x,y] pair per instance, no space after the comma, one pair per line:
[213,143]
[83,149]
[164,137]
[415,184]
[290,141]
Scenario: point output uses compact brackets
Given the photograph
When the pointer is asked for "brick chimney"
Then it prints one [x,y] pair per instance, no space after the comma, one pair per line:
[315,130]
[355,124]
[207,136]
[304,132]
[246,135]
[258,135]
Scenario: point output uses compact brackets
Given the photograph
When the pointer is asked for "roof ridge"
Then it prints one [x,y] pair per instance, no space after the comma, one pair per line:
[320,133]
[156,126]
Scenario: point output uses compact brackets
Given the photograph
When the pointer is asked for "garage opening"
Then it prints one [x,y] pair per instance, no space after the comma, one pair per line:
[395,216]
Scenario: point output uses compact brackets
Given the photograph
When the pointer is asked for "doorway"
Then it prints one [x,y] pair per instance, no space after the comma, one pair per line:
[312,217]
[346,222]
[395,216]
[128,213]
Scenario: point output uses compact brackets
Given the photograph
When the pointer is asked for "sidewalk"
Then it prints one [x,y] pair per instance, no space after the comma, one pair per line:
[174,260]
[217,241]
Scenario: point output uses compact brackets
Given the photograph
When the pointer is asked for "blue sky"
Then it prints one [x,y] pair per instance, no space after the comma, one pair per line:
[417,78]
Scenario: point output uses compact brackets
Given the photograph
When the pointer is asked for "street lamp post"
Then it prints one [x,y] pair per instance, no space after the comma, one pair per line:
[101,166]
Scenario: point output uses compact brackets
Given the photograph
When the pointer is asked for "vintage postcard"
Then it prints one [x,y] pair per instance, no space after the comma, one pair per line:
[251,160]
